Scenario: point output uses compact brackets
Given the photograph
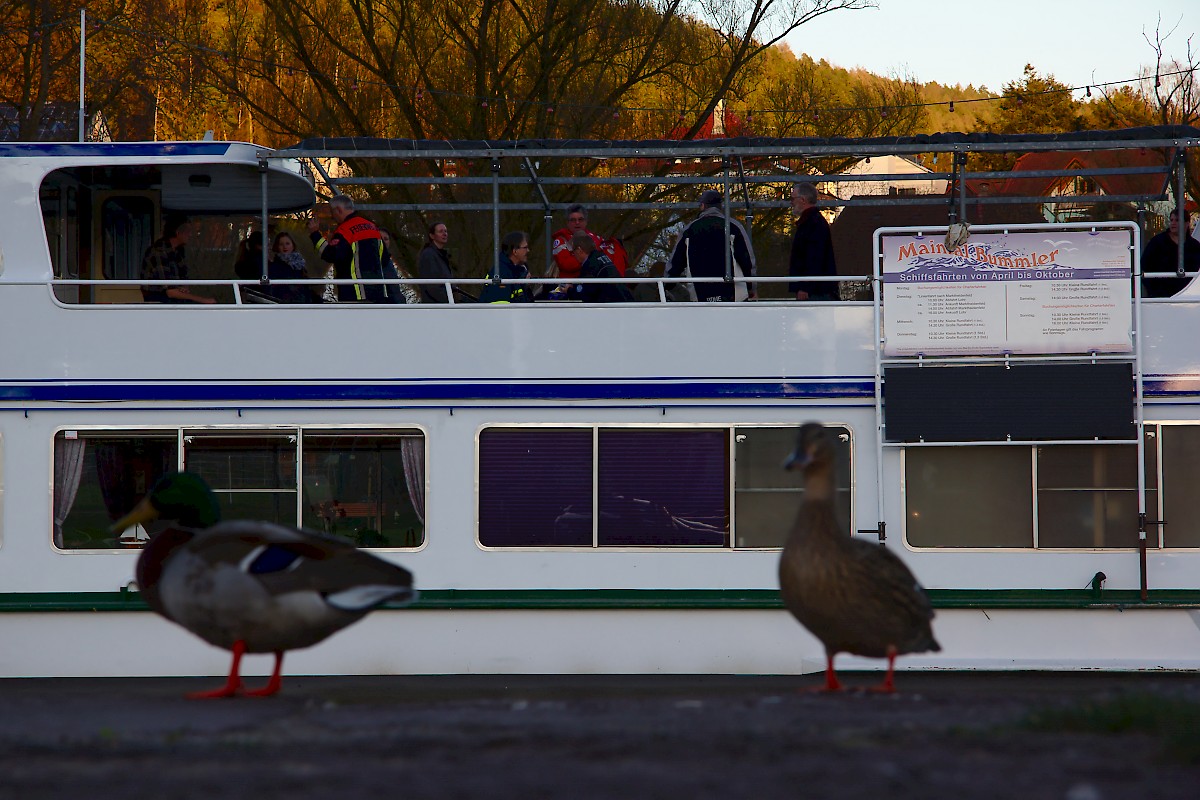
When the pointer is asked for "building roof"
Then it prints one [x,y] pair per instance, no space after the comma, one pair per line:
[1142,183]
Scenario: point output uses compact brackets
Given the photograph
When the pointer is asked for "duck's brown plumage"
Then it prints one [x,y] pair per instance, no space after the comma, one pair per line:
[219,584]
[249,586]
[855,597]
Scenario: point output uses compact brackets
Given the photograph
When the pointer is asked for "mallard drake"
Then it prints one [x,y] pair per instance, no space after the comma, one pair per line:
[252,587]
[855,597]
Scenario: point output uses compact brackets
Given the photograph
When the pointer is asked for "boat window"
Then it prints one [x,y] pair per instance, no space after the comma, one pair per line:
[99,476]
[127,225]
[366,486]
[1180,477]
[1087,496]
[1051,496]
[968,497]
[253,475]
[535,487]
[596,486]
[100,222]
[765,495]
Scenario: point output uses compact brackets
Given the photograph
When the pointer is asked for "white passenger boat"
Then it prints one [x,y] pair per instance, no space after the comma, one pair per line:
[596,488]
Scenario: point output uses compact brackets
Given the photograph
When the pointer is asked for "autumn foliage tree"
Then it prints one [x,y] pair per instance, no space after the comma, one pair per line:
[493,69]
[1035,104]
[132,46]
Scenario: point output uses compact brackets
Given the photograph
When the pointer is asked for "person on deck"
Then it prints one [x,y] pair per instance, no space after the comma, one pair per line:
[283,264]
[165,260]
[595,264]
[1161,254]
[812,248]
[357,252]
[562,251]
[514,255]
[699,253]
[434,264]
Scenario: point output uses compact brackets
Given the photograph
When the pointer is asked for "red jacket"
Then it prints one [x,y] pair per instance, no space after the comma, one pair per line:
[568,265]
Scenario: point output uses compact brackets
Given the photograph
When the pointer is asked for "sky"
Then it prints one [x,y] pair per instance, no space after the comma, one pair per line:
[989,42]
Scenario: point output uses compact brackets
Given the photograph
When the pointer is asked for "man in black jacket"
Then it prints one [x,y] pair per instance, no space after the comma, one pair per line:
[1161,254]
[700,253]
[595,264]
[812,247]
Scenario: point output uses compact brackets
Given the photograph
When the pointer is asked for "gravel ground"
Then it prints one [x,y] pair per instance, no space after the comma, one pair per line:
[951,735]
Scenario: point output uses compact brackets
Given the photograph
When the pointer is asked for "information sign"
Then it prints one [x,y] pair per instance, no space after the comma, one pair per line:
[1025,292]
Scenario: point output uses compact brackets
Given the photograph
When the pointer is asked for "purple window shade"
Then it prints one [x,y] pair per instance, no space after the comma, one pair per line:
[664,487]
[535,487]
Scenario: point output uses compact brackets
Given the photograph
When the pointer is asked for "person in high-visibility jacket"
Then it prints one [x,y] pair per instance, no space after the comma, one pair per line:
[357,252]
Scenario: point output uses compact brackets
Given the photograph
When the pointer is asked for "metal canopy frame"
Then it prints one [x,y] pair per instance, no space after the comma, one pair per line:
[723,155]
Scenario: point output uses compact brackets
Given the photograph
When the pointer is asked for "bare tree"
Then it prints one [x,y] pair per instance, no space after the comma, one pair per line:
[1171,86]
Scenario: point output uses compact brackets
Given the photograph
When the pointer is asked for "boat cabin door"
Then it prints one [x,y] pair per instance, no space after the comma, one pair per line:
[125,224]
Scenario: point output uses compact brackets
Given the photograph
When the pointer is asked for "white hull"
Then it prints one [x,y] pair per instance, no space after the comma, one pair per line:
[599,642]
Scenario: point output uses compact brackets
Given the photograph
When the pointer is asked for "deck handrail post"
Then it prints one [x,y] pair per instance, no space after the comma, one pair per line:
[725,208]
[82,73]
[496,218]
[262,172]
[1181,209]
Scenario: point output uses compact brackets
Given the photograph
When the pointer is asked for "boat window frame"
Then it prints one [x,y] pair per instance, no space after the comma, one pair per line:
[1155,491]
[841,429]
[181,430]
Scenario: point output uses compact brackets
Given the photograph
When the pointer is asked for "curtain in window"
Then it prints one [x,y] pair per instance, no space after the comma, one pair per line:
[68,470]
[412,451]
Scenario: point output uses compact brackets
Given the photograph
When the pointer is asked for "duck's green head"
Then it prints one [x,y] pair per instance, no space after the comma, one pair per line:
[178,496]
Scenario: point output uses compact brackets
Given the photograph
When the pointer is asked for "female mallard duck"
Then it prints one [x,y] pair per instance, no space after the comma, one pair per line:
[855,597]
[252,587]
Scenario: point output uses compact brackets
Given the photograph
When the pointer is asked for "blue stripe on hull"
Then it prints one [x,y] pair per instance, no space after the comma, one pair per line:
[499,390]
[856,388]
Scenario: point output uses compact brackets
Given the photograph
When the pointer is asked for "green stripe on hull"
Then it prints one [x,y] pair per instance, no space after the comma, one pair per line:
[653,599]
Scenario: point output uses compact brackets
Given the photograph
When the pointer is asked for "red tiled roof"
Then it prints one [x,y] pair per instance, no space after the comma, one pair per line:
[1139,184]
[734,126]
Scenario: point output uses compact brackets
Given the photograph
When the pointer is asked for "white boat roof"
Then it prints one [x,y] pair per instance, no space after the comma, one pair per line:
[197,177]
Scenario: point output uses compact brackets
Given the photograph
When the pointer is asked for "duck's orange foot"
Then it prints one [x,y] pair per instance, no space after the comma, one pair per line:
[233,684]
[889,683]
[274,684]
[832,684]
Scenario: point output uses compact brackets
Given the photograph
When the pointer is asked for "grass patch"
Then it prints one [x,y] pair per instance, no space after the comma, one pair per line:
[1174,721]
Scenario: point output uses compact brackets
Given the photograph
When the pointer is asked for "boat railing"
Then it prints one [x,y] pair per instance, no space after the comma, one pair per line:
[240,286]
